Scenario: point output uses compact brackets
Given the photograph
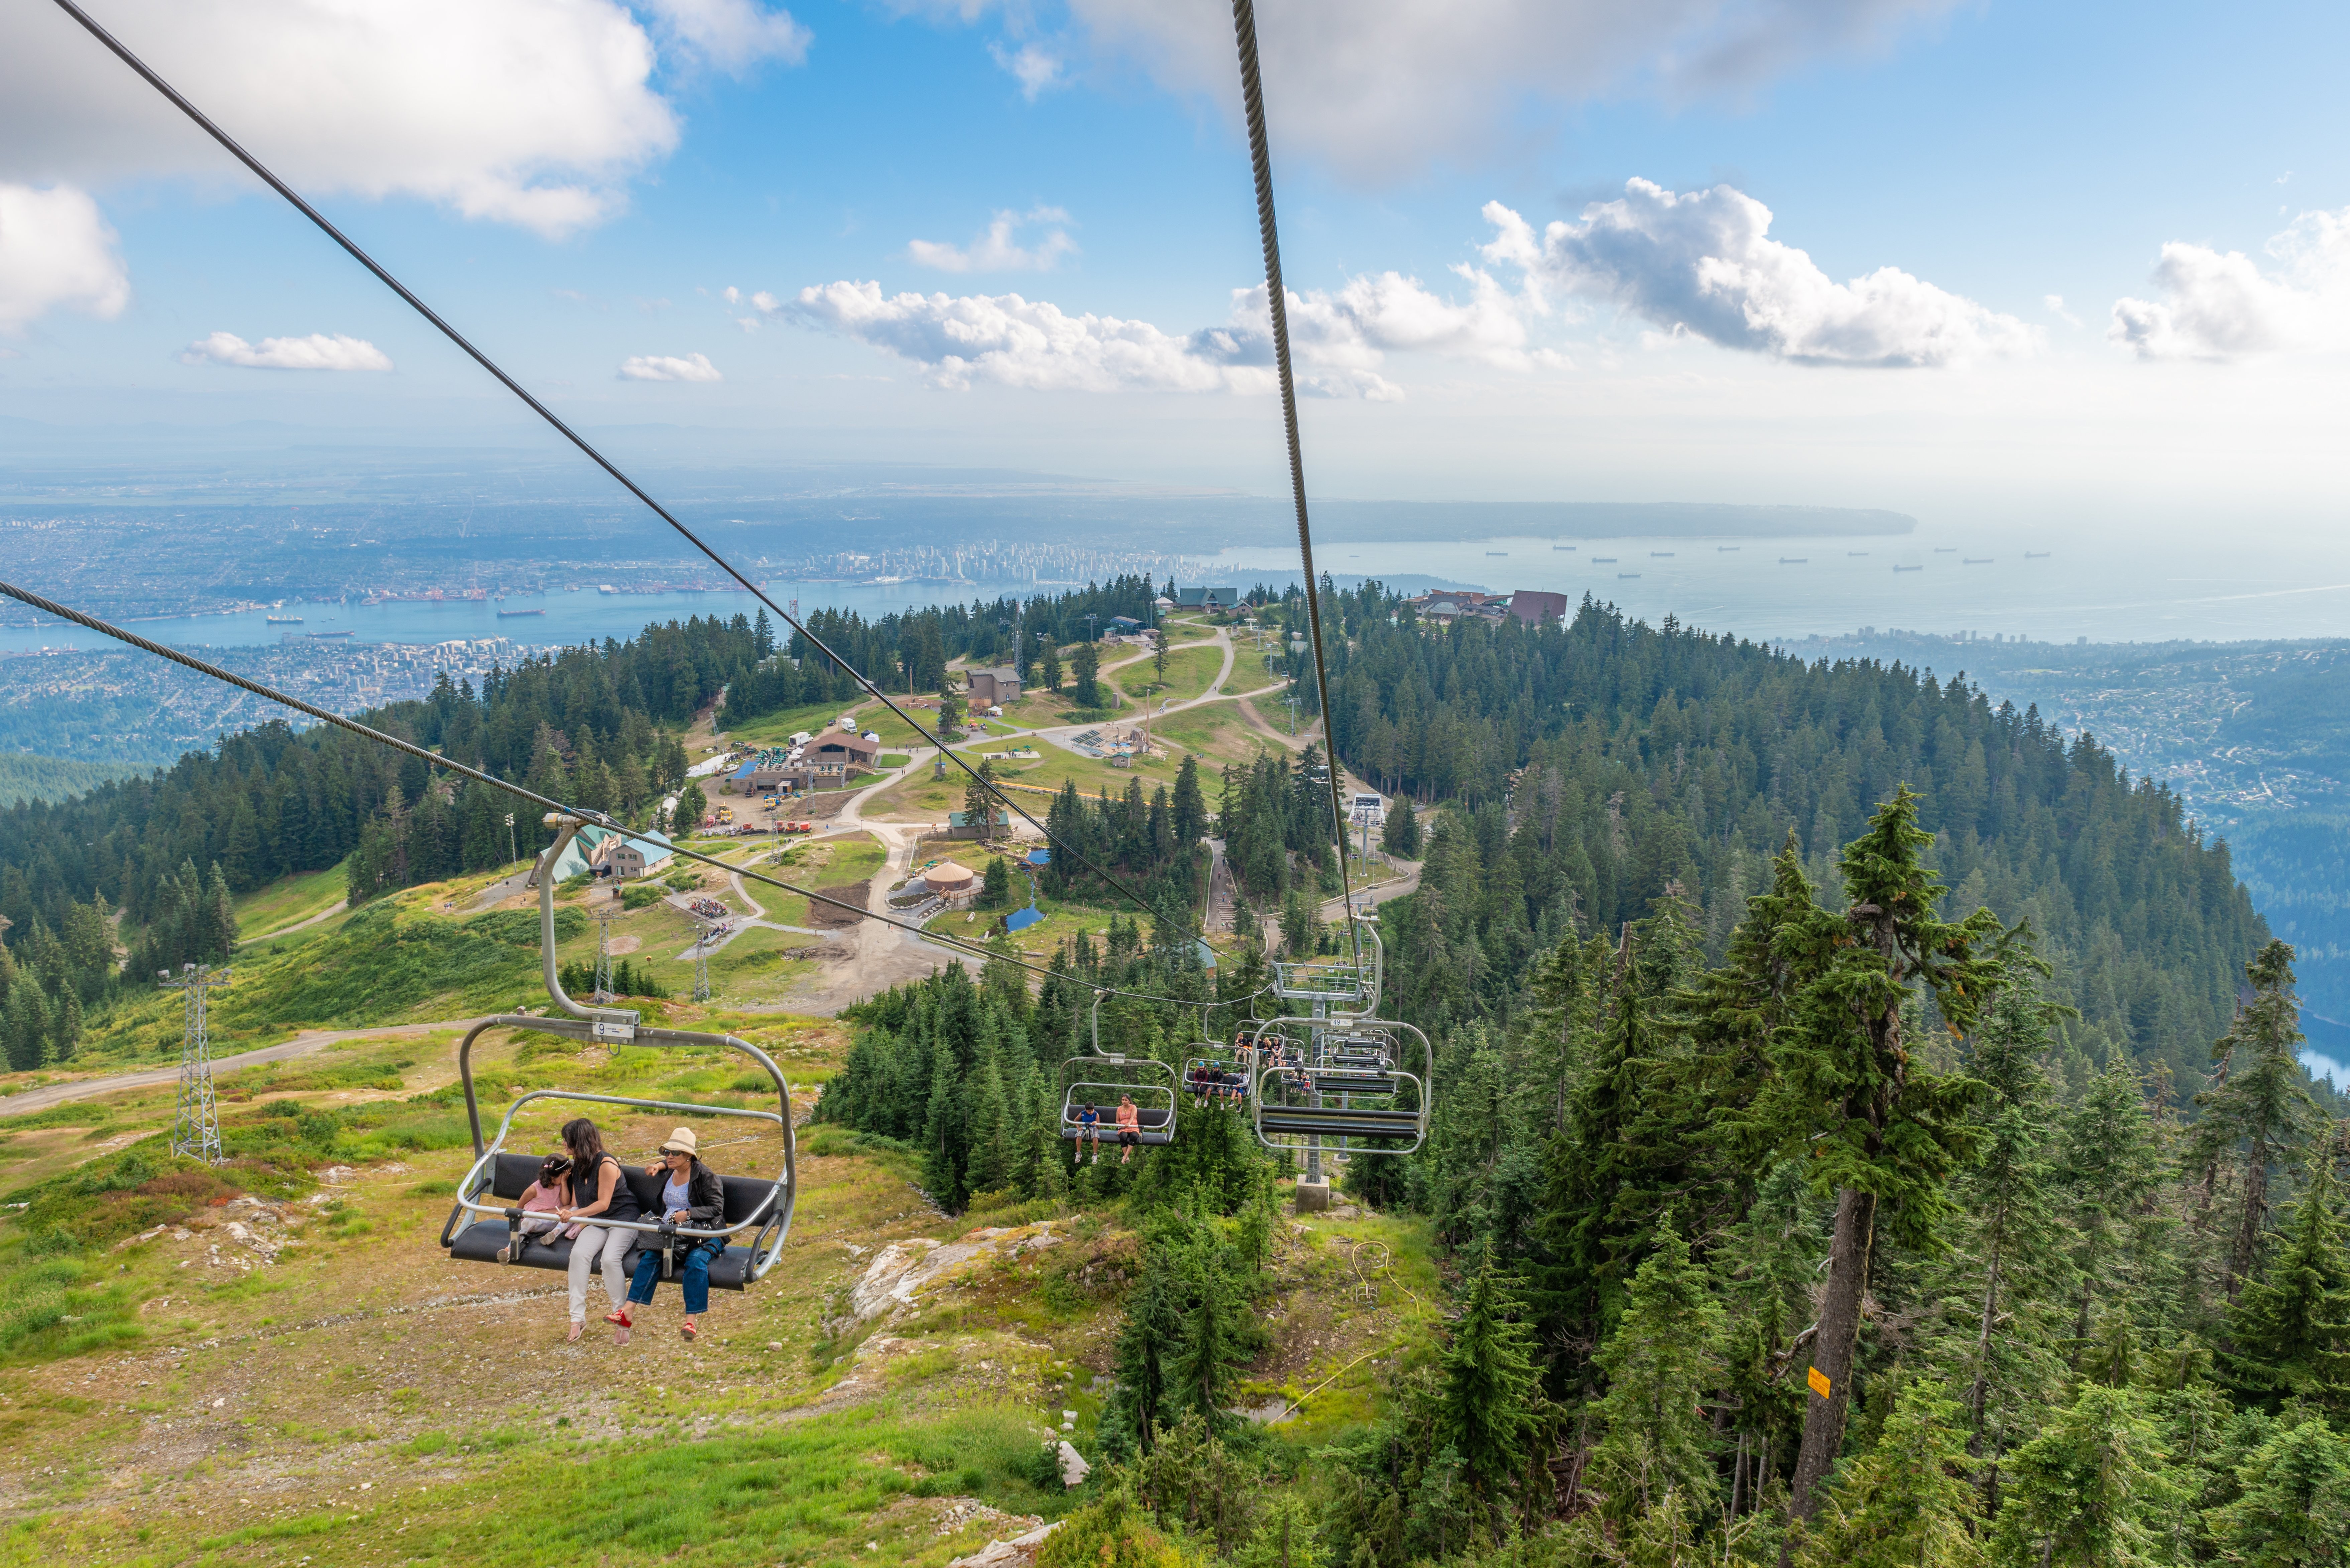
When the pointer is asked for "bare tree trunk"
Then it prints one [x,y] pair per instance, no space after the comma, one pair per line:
[2256,1212]
[1978,1392]
[1824,1417]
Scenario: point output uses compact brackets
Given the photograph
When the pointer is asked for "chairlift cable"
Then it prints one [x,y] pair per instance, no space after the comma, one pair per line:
[204,122]
[1276,297]
[593,819]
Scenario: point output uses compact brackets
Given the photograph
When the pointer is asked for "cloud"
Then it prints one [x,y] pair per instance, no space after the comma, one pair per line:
[2223,306]
[318,352]
[55,252]
[1703,261]
[1378,91]
[669,367]
[1036,69]
[994,250]
[731,35]
[1340,339]
[532,112]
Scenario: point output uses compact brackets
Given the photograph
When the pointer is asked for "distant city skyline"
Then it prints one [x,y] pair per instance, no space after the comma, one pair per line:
[2087,270]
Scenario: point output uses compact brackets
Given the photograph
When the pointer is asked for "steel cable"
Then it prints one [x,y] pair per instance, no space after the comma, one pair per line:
[260,170]
[1277,297]
[596,818]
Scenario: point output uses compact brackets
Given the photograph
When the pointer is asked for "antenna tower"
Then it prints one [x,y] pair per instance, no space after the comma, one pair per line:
[195,1127]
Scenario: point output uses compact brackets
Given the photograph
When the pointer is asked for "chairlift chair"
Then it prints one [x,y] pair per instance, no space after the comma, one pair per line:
[762,1210]
[1292,1107]
[1100,1081]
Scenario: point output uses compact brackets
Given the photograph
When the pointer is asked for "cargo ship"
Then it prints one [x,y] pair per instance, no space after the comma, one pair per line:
[283,619]
[509,615]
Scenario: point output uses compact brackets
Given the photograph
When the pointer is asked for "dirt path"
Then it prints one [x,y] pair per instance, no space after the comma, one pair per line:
[302,1045]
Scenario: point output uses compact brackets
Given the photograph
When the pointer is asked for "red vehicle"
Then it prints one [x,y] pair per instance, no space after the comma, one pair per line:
[799,827]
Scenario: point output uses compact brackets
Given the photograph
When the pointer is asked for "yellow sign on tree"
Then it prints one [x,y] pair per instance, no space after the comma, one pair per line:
[1819,1382]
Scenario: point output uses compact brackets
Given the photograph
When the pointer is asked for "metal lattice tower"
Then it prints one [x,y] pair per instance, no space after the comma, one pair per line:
[195,1126]
[701,959]
[605,995]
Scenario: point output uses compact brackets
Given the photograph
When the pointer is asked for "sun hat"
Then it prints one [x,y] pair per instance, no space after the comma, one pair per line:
[681,1142]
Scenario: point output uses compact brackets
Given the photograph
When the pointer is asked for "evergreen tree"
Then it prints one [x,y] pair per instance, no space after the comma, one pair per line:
[980,810]
[2259,1102]
[1884,1132]
[1662,1359]
[2290,1331]
[1215,1341]
[692,807]
[2004,1280]
[1905,1503]
[1487,1408]
[1048,669]
[1399,836]
[2109,1164]
[1148,1343]
[942,1173]
[2291,1507]
[2091,1489]
[1087,691]
[1190,806]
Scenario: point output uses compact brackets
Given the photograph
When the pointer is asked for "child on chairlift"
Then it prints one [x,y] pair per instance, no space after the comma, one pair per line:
[539,1201]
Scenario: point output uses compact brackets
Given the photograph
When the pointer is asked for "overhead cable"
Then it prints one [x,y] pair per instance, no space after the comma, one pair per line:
[595,818]
[1277,297]
[180,101]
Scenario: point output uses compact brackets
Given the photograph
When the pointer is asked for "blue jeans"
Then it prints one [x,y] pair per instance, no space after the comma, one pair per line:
[694,1276]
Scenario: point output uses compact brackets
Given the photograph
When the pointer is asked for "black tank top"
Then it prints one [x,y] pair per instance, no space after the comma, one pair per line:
[624,1196]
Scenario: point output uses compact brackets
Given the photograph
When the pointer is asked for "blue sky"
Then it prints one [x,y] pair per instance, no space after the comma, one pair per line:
[582,204]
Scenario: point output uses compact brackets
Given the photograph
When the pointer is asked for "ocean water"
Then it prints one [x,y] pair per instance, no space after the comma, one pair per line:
[2042,586]
[569,617]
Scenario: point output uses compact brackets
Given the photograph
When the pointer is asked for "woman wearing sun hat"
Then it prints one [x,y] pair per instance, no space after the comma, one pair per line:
[693,1197]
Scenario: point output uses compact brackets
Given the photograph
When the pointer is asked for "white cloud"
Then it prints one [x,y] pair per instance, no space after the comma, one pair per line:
[57,252]
[1340,339]
[533,112]
[318,352]
[1380,90]
[732,35]
[2222,305]
[996,250]
[1705,261]
[1036,69]
[669,367]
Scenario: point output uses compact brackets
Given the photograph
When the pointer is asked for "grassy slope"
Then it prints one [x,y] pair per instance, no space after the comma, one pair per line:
[923,796]
[1189,671]
[287,900]
[361,1400]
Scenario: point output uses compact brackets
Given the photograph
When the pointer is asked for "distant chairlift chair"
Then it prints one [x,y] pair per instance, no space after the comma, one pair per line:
[758,1211]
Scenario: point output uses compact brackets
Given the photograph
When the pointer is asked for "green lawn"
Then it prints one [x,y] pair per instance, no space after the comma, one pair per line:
[1189,671]
[1249,670]
[287,900]
[775,728]
[1215,731]
[925,797]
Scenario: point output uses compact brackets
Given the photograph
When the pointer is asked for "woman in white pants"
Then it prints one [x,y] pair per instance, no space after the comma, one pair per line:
[600,1189]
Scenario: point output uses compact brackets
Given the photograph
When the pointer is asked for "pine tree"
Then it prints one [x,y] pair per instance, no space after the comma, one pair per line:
[1148,1342]
[1905,1503]
[1488,1407]
[1399,835]
[2109,1164]
[2005,1274]
[2293,1503]
[1882,1131]
[1663,1358]
[2091,1489]
[2259,1102]
[1200,1372]
[942,1177]
[1087,692]
[2290,1331]
[979,807]
[1190,806]
[692,807]
[1049,667]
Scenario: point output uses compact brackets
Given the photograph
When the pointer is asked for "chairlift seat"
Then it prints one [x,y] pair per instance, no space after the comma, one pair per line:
[1337,1121]
[1156,1124]
[513,1173]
